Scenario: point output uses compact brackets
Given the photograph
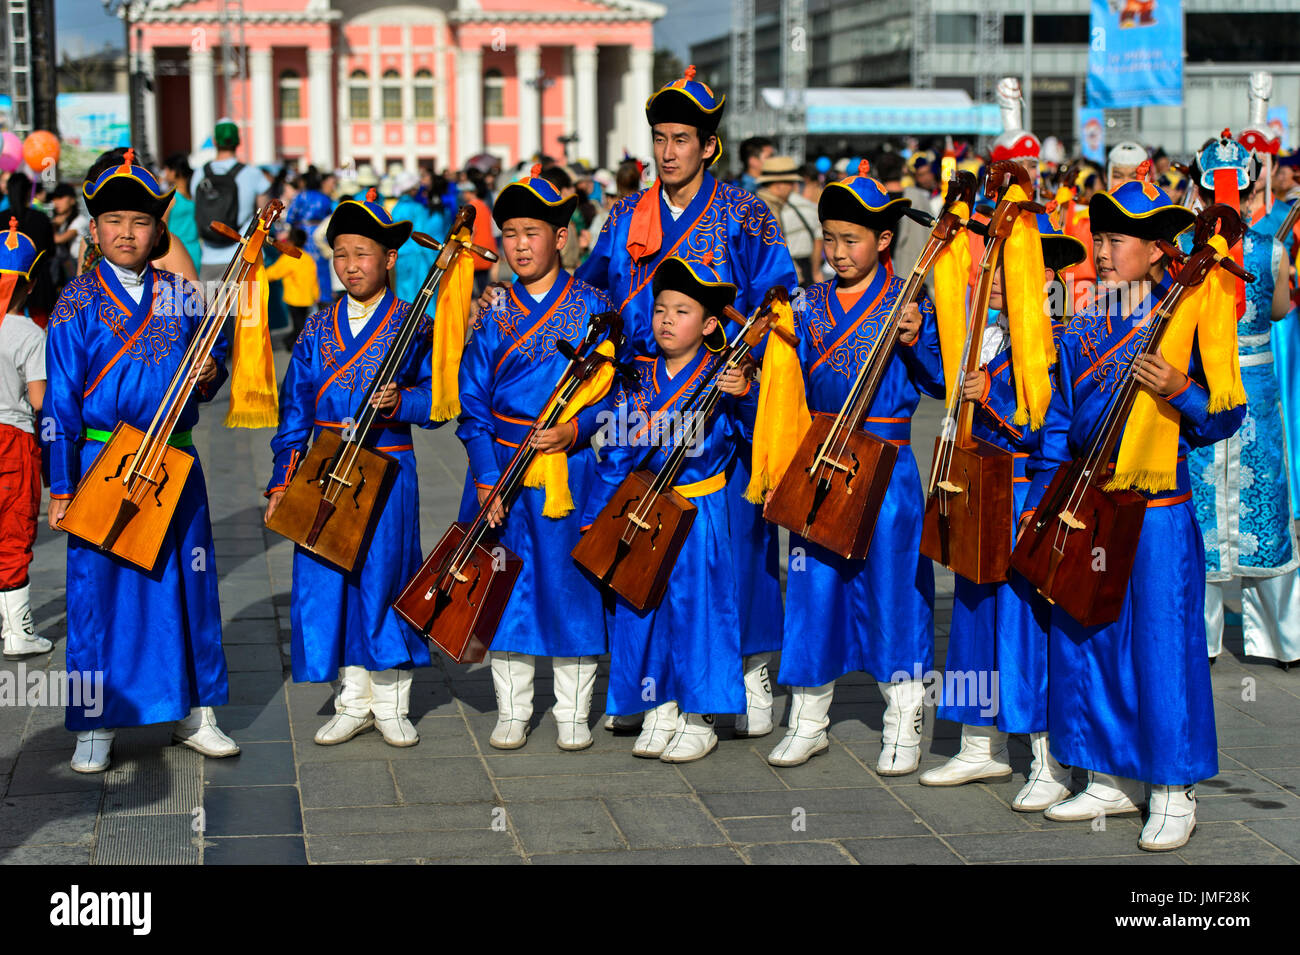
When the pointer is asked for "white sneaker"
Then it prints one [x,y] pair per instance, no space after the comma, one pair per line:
[806,737]
[512,677]
[1105,795]
[390,703]
[352,701]
[657,730]
[757,719]
[1049,781]
[1171,819]
[900,738]
[199,731]
[575,678]
[92,752]
[983,755]
[694,739]
[20,639]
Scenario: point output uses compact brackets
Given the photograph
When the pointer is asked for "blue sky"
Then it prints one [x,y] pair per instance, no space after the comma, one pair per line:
[83,26]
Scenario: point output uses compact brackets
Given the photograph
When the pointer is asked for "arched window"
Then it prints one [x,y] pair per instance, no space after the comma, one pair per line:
[494,94]
[290,95]
[359,95]
[392,94]
[423,94]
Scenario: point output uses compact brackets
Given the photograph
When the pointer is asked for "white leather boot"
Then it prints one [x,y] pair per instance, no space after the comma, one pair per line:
[1049,781]
[351,708]
[391,692]
[20,639]
[199,731]
[806,736]
[983,755]
[657,730]
[575,678]
[1171,819]
[694,739]
[757,719]
[1105,795]
[900,739]
[512,677]
[92,752]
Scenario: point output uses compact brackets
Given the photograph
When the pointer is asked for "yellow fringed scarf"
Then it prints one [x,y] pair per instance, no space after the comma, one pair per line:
[1029,322]
[551,471]
[254,397]
[951,281]
[1148,455]
[451,319]
[782,418]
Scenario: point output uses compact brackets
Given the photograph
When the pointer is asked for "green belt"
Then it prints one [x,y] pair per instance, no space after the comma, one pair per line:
[180,439]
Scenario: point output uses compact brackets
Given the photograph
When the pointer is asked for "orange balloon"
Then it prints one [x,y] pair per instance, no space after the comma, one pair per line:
[41,150]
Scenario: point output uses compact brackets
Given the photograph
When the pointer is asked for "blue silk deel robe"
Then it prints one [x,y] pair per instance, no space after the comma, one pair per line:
[346,619]
[1133,698]
[743,242]
[876,614]
[688,648]
[995,673]
[154,638]
[510,369]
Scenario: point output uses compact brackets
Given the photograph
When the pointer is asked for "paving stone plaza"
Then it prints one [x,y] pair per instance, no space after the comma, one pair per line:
[452,798]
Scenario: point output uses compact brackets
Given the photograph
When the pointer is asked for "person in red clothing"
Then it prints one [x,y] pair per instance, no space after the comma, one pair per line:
[22,391]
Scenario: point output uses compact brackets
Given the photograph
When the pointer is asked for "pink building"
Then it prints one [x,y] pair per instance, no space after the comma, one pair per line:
[339,82]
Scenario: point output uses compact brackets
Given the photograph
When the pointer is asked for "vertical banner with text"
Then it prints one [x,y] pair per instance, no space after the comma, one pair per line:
[1135,54]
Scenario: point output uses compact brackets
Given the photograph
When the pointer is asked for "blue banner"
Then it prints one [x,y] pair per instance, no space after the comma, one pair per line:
[1135,57]
[1092,135]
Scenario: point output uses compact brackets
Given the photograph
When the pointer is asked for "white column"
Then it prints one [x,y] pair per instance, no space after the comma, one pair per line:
[203,98]
[263,105]
[528,64]
[469,105]
[442,128]
[147,69]
[640,80]
[377,145]
[320,112]
[409,135]
[344,102]
[584,79]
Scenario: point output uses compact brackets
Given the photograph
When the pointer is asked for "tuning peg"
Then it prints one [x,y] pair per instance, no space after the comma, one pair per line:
[918,215]
[222,229]
[428,241]
[286,248]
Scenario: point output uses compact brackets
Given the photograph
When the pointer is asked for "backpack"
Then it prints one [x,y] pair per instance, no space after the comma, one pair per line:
[217,199]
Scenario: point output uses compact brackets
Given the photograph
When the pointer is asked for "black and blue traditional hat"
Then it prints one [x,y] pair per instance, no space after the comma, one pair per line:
[18,253]
[370,219]
[126,188]
[1140,209]
[701,282]
[1060,251]
[686,101]
[861,200]
[534,198]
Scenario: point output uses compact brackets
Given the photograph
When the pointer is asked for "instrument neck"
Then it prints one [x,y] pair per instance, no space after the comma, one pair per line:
[386,373]
[1106,435]
[864,390]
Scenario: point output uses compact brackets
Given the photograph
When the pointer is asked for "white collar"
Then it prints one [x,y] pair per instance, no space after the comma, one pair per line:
[126,277]
[358,310]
